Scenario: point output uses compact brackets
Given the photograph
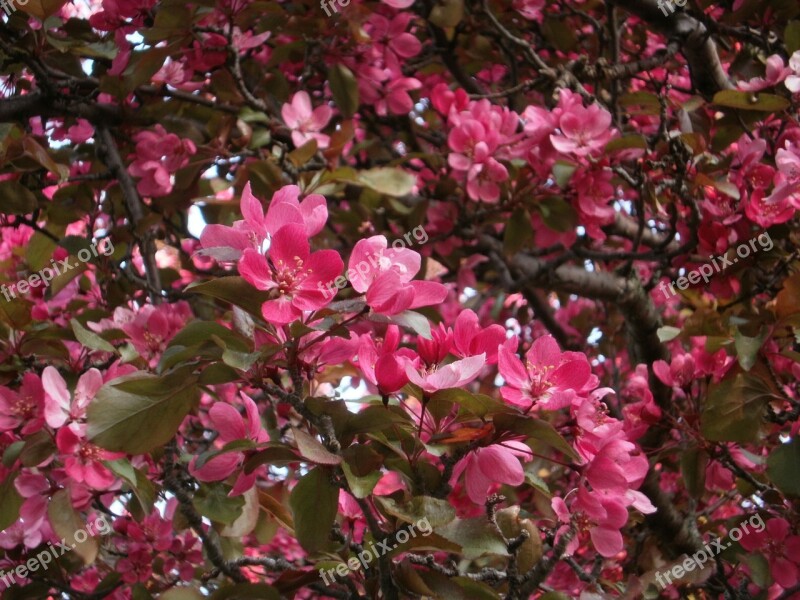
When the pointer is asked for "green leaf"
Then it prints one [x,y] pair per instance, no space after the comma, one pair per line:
[438,512]
[747,348]
[274,454]
[313,450]
[15,312]
[66,521]
[10,502]
[562,173]
[750,101]
[791,37]
[314,502]
[182,593]
[693,469]
[141,486]
[234,290]
[344,88]
[90,339]
[139,412]
[447,13]
[16,199]
[477,537]
[734,409]
[360,487]
[518,231]
[388,180]
[213,501]
[783,467]
[535,429]
[414,321]
[557,214]
[667,333]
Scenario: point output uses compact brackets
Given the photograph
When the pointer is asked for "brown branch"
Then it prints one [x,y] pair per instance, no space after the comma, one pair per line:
[708,76]
[135,208]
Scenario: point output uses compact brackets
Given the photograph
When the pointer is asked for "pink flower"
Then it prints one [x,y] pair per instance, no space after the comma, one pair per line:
[793,81]
[776,72]
[385,275]
[469,339]
[583,131]
[550,379]
[293,273]
[24,408]
[488,466]
[83,460]
[380,360]
[787,179]
[304,122]
[158,155]
[231,427]
[58,408]
[598,515]
[228,243]
[432,378]
[781,547]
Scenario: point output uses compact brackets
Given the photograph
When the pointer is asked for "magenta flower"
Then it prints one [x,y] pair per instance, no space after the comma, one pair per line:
[432,378]
[550,379]
[231,426]
[583,131]
[306,123]
[158,155]
[292,273]
[792,82]
[386,276]
[83,461]
[24,408]
[781,547]
[489,466]
[599,515]
[228,243]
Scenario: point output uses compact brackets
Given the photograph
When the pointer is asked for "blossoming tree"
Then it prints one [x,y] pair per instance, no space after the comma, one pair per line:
[524,272]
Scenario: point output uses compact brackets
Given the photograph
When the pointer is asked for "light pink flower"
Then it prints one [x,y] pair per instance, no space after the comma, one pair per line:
[776,72]
[306,123]
[58,408]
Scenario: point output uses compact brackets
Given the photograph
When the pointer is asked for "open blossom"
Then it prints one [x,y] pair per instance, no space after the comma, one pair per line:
[550,379]
[598,515]
[23,408]
[305,122]
[583,131]
[491,465]
[781,547]
[58,407]
[285,208]
[292,273]
[787,179]
[776,72]
[386,275]
[83,461]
